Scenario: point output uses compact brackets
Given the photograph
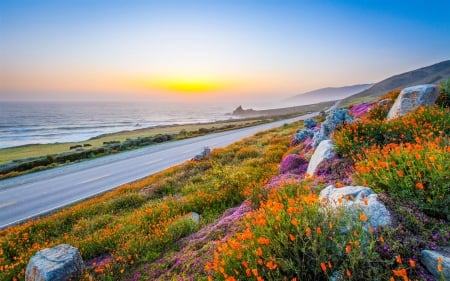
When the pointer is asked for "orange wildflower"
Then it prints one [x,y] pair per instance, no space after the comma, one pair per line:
[294,221]
[363,217]
[401,273]
[400,174]
[348,249]
[348,273]
[323,266]
[398,259]
[291,237]
[319,230]
[259,252]
[412,263]
[271,265]
[263,241]
[419,185]
[308,231]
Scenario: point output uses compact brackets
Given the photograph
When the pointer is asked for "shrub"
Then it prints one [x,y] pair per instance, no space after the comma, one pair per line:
[289,238]
[247,152]
[444,95]
[416,172]
[293,163]
[423,123]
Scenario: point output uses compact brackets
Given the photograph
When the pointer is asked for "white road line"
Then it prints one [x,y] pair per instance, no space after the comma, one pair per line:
[94,179]
[7,204]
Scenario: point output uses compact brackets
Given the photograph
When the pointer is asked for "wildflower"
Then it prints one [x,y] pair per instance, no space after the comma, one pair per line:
[291,237]
[348,273]
[323,266]
[412,263]
[348,249]
[419,185]
[319,230]
[363,217]
[401,273]
[258,252]
[398,259]
[400,174]
[439,266]
[294,221]
[330,265]
[263,241]
[255,271]
[308,231]
[271,265]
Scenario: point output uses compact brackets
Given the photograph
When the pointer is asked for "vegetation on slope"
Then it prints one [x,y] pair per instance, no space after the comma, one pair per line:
[139,221]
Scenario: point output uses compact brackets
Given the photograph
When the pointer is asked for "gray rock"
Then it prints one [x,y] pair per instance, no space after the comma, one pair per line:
[303,134]
[335,118]
[323,151]
[60,263]
[194,216]
[429,258]
[205,154]
[383,102]
[356,199]
[413,97]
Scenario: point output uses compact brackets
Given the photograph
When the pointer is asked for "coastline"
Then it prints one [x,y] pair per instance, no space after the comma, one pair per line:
[33,150]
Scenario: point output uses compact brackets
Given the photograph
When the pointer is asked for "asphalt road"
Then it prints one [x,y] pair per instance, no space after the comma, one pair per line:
[29,196]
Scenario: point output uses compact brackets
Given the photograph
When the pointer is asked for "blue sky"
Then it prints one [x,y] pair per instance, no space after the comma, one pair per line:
[224,49]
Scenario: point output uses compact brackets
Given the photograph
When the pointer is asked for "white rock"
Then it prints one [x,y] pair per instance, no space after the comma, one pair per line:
[430,259]
[59,263]
[323,151]
[357,198]
[413,97]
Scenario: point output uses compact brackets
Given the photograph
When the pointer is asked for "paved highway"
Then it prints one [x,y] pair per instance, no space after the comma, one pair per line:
[39,193]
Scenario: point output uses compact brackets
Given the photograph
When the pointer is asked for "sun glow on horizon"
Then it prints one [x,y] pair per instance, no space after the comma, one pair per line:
[186,85]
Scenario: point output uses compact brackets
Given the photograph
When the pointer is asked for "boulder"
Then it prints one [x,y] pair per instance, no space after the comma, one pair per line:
[413,97]
[195,217]
[335,118]
[205,154]
[323,151]
[384,102]
[431,258]
[356,199]
[310,123]
[303,134]
[60,263]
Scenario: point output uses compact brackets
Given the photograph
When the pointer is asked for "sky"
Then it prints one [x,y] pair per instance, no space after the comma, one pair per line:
[214,50]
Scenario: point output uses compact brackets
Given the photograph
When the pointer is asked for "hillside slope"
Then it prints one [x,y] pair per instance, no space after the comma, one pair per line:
[328,94]
[430,74]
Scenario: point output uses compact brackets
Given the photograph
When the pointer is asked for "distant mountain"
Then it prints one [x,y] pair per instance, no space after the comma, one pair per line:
[328,94]
[426,75]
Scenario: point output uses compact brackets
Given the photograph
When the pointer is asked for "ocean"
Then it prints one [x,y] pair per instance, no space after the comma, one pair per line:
[31,123]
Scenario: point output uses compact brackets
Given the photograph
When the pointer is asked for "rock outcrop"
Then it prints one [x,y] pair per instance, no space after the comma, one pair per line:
[205,154]
[60,263]
[413,97]
[322,152]
[435,260]
[355,199]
